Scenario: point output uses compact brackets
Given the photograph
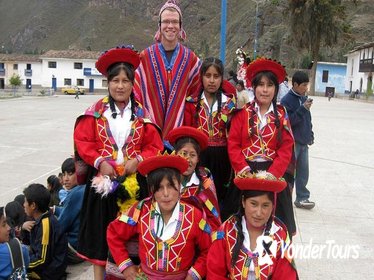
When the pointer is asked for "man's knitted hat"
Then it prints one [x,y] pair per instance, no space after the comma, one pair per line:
[173,5]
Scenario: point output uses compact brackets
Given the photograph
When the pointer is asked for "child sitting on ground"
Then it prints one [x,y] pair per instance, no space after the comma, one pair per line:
[48,248]
[6,264]
[68,213]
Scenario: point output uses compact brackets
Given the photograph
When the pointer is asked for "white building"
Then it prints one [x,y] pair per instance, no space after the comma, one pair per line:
[28,67]
[71,68]
[360,68]
[54,69]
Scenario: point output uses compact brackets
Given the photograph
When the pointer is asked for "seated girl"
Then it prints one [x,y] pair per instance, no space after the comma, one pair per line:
[253,244]
[197,182]
[173,236]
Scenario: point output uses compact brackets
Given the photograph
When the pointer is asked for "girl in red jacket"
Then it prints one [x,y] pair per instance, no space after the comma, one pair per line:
[260,136]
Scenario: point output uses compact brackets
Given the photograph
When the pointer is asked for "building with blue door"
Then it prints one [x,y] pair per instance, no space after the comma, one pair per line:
[28,67]
[330,77]
[55,69]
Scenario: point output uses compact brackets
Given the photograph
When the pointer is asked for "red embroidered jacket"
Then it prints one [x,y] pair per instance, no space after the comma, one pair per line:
[175,254]
[219,259]
[213,124]
[204,199]
[93,139]
[262,144]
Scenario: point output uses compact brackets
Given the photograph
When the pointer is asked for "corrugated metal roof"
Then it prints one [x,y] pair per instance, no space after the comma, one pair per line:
[71,54]
[19,57]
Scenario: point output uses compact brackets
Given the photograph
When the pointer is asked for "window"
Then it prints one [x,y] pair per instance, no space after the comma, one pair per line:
[67,82]
[78,65]
[15,66]
[52,64]
[104,83]
[80,82]
[353,62]
[325,76]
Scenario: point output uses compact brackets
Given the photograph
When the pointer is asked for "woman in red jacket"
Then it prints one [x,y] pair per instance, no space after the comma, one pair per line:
[260,136]
[197,183]
[253,244]
[211,112]
[110,140]
[173,236]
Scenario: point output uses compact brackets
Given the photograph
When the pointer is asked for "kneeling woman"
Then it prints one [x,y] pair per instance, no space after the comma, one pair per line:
[197,182]
[253,244]
[173,236]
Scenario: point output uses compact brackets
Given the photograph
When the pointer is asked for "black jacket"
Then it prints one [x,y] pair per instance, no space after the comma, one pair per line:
[48,248]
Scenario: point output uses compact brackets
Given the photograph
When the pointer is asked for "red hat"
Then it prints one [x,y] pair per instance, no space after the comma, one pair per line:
[188,131]
[119,54]
[171,161]
[228,87]
[258,184]
[265,64]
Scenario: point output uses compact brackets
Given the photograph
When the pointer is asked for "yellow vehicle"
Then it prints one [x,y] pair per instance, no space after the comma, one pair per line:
[72,90]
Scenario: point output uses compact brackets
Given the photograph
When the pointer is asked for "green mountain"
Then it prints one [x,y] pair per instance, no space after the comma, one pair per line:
[35,26]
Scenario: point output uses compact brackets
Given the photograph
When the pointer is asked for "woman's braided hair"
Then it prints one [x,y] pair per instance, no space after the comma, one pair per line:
[218,65]
[238,222]
[113,71]
[255,83]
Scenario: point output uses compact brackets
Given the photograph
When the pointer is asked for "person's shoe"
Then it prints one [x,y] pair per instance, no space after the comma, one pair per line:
[305,204]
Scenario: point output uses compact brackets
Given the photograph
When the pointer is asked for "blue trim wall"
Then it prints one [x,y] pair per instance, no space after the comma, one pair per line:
[336,77]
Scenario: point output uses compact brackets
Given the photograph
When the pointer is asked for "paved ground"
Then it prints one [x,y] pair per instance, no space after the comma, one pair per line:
[334,240]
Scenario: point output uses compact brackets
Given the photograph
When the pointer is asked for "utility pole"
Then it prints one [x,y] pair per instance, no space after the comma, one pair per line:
[256,28]
[223,30]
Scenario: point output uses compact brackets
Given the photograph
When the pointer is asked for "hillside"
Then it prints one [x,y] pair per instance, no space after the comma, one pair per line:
[34,26]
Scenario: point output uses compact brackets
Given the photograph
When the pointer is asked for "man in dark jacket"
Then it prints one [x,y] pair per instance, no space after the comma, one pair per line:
[298,109]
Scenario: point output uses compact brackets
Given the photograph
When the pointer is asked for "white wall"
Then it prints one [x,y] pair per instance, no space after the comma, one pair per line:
[353,74]
[65,70]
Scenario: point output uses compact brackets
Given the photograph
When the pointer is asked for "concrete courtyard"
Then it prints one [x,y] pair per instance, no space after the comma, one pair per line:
[334,240]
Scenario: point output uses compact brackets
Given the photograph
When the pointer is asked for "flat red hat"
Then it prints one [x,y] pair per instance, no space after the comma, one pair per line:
[257,184]
[228,87]
[119,54]
[188,131]
[161,161]
[265,64]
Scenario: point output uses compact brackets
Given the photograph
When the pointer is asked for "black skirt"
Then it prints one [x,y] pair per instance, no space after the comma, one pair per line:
[216,159]
[96,214]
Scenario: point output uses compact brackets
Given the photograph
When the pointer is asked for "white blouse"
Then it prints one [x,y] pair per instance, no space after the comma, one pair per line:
[120,128]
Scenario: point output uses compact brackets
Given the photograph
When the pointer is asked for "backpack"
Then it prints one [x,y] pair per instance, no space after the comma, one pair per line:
[19,270]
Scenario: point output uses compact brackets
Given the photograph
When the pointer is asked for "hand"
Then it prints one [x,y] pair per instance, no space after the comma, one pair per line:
[189,277]
[131,166]
[130,273]
[308,103]
[106,169]
[270,176]
[28,225]
[245,174]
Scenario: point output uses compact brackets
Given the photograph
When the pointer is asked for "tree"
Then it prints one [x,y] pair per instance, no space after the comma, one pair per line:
[15,81]
[315,23]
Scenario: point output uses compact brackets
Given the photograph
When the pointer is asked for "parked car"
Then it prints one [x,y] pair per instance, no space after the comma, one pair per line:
[72,90]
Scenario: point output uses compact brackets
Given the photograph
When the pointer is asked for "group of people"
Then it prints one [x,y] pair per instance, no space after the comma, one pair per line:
[170,178]
[44,223]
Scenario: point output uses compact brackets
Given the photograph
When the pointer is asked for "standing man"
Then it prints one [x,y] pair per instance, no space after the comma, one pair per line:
[298,108]
[168,72]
